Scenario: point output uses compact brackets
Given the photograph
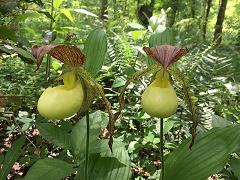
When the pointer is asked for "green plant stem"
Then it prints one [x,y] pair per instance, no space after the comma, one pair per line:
[87,146]
[48,66]
[161,148]
[51,22]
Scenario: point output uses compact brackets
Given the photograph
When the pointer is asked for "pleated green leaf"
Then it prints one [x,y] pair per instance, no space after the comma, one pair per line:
[11,157]
[95,49]
[99,146]
[108,166]
[49,168]
[235,165]
[165,37]
[209,154]
[79,131]
[54,134]
[218,121]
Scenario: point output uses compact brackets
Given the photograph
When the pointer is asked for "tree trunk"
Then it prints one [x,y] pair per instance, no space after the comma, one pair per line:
[193,6]
[104,12]
[219,23]
[172,16]
[145,11]
[209,4]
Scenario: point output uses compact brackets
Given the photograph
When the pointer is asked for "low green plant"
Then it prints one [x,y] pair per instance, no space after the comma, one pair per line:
[81,140]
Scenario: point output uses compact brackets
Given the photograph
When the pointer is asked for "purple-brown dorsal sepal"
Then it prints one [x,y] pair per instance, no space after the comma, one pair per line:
[39,51]
[165,54]
[69,55]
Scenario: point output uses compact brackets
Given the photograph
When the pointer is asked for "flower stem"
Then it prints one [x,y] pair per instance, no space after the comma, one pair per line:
[161,148]
[87,146]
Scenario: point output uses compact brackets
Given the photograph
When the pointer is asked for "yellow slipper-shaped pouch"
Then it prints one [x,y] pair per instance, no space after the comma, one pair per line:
[159,99]
[62,101]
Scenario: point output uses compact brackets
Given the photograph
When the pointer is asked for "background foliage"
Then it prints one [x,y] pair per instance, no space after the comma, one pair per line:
[211,72]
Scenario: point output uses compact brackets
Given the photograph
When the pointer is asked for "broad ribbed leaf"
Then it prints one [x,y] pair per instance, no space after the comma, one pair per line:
[95,49]
[209,154]
[218,121]
[79,132]
[99,146]
[49,168]
[235,165]
[11,157]
[7,33]
[54,134]
[108,166]
[165,37]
